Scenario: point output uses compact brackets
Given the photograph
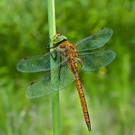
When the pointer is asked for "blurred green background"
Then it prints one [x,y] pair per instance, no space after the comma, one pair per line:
[109,92]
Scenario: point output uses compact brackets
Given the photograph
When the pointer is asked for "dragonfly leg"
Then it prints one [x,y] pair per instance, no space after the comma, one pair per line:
[80,61]
[60,67]
[52,47]
[49,48]
[54,57]
[48,45]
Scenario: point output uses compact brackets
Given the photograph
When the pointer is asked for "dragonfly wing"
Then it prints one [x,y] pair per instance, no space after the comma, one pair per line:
[61,77]
[37,63]
[97,60]
[95,41]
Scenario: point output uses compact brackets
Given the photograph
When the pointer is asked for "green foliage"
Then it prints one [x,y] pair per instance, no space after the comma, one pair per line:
[109,92]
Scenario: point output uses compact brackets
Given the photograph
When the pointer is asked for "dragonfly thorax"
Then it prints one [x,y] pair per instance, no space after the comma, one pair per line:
[58,38]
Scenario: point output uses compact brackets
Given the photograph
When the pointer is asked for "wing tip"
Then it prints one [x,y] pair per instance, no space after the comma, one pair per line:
[109,30]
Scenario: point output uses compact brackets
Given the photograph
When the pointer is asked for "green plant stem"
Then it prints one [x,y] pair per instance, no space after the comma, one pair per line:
[55,95]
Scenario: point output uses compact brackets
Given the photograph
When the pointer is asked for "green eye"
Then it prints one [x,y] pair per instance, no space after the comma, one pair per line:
[58,39]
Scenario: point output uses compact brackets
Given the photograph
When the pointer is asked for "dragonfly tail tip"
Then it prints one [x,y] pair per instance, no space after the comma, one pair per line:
[89,128]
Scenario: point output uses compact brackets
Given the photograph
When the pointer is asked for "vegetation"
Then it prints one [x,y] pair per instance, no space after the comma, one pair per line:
[109,91]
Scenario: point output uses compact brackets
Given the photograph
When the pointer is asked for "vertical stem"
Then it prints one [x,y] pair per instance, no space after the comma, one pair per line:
[51,18]
[55,95]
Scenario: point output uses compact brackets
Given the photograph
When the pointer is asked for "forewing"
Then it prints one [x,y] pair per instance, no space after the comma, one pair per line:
[37,63]
[61,77]
[97,60]
[95,41]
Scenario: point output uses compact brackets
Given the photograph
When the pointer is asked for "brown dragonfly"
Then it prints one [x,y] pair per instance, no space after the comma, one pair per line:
[66,57]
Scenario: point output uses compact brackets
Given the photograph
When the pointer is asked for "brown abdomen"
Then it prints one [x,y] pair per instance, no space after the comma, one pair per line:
[83,101]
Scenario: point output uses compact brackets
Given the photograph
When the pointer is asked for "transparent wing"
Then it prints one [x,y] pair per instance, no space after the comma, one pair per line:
[46,85]
[37,63]
[95,41]
[97,60]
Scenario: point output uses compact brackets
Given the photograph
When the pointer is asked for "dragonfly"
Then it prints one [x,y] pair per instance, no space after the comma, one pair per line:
[66,57]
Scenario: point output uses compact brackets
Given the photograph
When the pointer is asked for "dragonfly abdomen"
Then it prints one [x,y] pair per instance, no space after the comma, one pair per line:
[83,101]
[69,50]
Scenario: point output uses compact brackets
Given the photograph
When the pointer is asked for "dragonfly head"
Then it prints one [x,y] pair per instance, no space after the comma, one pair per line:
[58,38]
